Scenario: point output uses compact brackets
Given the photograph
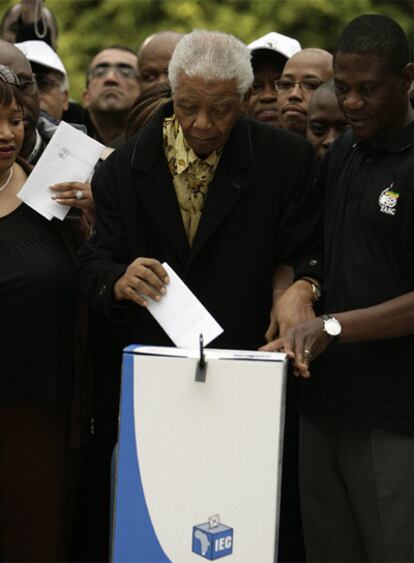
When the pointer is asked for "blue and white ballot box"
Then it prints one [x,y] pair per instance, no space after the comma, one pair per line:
[199,467]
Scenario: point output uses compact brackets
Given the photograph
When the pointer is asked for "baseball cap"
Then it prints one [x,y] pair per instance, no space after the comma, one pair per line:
[42,54]
[277,42]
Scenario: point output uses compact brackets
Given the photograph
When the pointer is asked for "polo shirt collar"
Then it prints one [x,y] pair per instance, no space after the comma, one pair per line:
[400,141]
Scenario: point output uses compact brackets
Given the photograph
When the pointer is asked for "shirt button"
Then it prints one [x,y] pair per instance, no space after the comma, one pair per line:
[369,160]
[313,262]
[102,290]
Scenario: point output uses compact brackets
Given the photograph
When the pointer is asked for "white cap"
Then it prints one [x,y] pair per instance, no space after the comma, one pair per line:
[41,53]
[282,44]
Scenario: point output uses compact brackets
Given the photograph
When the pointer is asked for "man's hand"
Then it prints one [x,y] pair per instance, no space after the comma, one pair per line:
[76,194]
[302,344]
[272,331]
[290,307]
[144,278]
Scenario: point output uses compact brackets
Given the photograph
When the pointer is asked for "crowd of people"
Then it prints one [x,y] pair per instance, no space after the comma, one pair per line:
[277,181]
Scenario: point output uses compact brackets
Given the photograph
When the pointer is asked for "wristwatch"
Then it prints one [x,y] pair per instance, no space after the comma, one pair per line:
[332,327]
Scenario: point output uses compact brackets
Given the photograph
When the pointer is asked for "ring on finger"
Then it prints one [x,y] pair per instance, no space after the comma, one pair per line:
[307,353]
[79,194]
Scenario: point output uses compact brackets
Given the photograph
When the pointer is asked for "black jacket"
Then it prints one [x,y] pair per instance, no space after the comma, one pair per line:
[259,212]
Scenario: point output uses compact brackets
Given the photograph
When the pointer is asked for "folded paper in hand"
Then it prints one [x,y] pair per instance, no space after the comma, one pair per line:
[69,157]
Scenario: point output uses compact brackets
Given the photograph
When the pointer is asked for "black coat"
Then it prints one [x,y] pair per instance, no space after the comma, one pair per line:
[259,212]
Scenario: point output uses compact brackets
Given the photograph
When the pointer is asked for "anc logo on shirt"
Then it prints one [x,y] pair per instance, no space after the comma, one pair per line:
[388,200]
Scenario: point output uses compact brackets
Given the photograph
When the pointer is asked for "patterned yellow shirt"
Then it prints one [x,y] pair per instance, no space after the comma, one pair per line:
[191,175]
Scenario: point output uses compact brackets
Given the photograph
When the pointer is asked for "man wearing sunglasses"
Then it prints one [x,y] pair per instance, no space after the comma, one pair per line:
[111,88]
[302,75]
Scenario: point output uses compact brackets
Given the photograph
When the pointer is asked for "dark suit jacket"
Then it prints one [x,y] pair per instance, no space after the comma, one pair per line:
[259,212]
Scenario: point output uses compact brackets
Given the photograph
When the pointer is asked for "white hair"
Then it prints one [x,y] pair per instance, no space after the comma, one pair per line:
[211,55]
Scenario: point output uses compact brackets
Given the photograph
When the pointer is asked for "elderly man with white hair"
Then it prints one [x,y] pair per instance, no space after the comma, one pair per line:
[223,199]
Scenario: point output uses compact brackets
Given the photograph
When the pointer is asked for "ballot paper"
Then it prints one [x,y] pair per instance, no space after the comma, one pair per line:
[69,157]
[182,316]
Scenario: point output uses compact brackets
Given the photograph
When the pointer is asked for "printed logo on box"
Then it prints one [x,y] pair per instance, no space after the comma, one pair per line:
[212,539]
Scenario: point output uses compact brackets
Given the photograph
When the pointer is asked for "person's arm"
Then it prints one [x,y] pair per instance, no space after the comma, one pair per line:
[110,279]
[297,303]
[387,320]
[291,304]
[282,279]
[302,228]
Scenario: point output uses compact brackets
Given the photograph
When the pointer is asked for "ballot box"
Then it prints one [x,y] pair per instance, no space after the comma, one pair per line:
[198,471]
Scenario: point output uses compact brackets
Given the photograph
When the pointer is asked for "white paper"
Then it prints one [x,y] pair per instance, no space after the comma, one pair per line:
[70,156]
[182,316]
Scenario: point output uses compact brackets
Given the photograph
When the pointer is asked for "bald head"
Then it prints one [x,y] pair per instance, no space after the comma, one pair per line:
[12,57]
[317,58]
[302,74]
[154,56]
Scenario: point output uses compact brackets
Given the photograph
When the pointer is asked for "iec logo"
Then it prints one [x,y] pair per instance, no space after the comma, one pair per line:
[212,539]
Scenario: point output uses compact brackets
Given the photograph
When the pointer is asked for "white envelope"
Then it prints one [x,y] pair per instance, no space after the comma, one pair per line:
[70,156]
[182,316]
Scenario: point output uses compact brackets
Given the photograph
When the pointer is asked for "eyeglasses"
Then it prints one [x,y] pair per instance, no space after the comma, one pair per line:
[305,85]
[123,70]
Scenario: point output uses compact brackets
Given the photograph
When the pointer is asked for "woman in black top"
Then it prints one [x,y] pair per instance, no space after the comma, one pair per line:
[37,316]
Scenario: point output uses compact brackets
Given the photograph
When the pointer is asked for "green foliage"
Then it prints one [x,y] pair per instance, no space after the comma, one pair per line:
[86,26]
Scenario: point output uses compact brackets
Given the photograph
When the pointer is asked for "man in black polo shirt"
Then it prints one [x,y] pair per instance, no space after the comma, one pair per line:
[357,415]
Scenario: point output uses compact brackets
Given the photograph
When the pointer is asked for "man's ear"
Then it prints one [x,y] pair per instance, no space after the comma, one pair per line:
[65,100]
[85,99]
[247,95]
[408,75]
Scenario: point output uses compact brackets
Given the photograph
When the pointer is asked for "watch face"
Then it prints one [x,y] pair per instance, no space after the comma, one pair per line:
[333,327]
